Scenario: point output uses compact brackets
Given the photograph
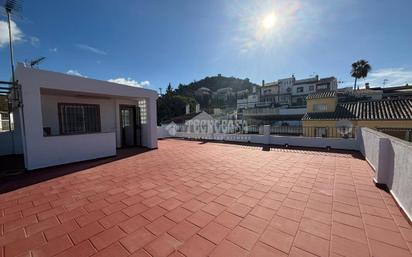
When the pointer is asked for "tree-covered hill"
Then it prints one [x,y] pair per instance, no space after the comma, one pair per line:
[173,102]
[214,83]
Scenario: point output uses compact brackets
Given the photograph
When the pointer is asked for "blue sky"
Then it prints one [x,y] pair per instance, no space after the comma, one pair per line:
[153,43]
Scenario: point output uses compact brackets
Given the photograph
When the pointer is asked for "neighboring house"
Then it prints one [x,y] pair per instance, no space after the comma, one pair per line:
[394,92]
[4,112]
[330,118]
[269,93]
[65,118]
[203,96]
[4,121]
[301,88]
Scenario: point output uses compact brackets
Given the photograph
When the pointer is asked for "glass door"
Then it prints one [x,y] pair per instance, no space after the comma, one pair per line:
[127,126]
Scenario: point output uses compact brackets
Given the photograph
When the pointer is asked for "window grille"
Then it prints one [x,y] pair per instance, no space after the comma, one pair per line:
[79,118]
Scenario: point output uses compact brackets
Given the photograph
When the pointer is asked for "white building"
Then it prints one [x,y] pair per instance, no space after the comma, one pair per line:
[63,118]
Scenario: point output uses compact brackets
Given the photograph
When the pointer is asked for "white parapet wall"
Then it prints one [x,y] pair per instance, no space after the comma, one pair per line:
[267,139]
[56,150]
[391,158]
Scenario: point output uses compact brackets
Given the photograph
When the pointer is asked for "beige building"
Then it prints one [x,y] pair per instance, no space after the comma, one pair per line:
[327,117]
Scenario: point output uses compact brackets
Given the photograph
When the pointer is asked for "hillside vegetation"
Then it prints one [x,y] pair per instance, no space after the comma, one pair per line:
[173,102]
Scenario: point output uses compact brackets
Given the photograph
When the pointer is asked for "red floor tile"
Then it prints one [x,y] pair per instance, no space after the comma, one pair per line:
[197,246]
[160,226]
[264,250]
[86,232]
[214,232]
[107,237]
[227,248]
[137,240]
[188,199]
[254,223]
[243,237]
[312,244]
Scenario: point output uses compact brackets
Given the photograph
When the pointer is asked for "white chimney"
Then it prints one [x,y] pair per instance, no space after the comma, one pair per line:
[187,109]
[197,108]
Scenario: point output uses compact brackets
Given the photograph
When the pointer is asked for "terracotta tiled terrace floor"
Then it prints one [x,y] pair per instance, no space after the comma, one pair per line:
[207,199]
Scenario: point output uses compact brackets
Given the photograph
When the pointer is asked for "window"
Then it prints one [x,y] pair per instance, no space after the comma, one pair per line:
[320,132]
[299,90]
[311,88]
[320,107]
[79,118]
[322,87]
[4,118]
[143,111]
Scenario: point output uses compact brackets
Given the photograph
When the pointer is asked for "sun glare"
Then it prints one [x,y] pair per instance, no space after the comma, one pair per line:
[269,21]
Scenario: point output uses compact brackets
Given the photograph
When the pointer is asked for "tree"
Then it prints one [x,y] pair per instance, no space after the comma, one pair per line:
[169,90]
[171,105]
[360,69]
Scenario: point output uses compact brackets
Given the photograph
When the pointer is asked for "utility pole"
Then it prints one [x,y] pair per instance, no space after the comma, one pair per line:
[8,11]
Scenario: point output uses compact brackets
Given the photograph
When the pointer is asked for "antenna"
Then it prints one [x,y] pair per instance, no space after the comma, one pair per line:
[33,63]
[385,81]
[11,6]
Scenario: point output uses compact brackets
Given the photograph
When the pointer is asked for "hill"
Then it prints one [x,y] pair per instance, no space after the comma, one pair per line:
[214,83]
[172,103]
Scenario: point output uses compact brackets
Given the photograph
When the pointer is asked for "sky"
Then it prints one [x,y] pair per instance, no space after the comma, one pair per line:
[152,43]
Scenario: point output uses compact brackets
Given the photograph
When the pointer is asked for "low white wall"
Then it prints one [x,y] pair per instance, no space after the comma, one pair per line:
[321,142]
[56,150]
[6,143]
[391,159]
[161,132]
[266,138]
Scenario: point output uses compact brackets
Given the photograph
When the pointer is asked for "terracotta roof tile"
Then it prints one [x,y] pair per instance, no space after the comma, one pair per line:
[389,109]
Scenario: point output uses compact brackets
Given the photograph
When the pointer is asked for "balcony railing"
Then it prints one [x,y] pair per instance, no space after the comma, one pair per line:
[298,131]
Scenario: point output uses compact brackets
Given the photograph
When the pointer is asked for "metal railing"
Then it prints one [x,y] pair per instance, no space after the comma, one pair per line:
[298,131]
[286,130]
[401,133]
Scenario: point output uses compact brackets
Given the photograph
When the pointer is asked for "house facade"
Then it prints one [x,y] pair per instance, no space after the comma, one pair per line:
[62,118]
[326,116]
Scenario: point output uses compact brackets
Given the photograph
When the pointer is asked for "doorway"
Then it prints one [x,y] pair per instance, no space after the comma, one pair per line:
[130,126]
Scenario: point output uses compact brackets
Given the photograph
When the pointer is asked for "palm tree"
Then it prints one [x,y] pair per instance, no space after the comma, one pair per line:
[360,69]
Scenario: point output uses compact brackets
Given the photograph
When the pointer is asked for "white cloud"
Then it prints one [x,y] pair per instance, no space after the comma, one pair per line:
[75,73]
[393,77]
[130,82]
[90,49]
[17,34]
[53,50]
[35,41]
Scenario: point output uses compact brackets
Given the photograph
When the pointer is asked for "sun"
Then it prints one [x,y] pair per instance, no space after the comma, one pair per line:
[269,21]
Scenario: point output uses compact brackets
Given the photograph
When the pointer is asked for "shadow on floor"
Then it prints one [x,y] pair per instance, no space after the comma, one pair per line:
[11,164]
[16,180]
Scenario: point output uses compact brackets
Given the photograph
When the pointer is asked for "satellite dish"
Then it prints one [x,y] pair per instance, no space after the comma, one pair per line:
[344,128]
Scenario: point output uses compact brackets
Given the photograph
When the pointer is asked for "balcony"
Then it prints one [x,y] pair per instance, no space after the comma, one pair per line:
[275,111]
